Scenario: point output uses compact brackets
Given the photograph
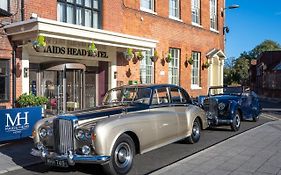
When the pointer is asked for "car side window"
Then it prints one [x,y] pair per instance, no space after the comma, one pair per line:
[177,96]
[160,96]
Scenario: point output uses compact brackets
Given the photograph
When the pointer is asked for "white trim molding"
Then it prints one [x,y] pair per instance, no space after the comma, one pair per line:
[30,29]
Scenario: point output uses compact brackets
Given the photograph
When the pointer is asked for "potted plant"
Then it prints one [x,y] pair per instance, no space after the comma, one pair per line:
[168,58]
[155,56]
[92,49]
[206,64]
[28,100]
[39,44]
[129,54]
[139,55]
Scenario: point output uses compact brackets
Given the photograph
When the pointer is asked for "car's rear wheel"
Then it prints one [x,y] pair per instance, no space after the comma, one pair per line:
[121,156]
[196,132]
[235,125]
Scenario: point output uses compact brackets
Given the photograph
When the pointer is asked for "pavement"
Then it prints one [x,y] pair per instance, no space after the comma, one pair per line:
[256,151]
[16,155]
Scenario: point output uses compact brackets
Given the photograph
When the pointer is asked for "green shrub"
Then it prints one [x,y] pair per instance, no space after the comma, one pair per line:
[27,100]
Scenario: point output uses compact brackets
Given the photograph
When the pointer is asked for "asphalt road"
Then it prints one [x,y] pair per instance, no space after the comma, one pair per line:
[154,160]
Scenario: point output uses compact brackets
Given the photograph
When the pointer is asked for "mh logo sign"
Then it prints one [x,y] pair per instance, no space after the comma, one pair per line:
[16,123]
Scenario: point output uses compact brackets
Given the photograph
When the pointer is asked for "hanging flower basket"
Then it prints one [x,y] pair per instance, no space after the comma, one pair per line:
[129,54]
[39,44]
[139,55]
[155,56]
[190,61]
[168,58]
[206,65]
[92,49]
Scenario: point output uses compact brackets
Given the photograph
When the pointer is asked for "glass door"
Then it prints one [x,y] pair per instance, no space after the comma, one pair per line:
[74,89]
[64,86]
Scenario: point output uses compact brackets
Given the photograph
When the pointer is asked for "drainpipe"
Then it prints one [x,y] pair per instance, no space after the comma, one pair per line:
[14,67]
[22,10]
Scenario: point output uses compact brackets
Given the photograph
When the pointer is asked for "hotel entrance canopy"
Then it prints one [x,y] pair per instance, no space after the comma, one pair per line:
[27,31]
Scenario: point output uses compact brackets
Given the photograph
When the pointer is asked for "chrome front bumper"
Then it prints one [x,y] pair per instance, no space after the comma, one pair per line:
[70,157]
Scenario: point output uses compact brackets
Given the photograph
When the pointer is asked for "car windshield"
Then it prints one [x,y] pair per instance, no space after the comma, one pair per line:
[226,90]
[128,95]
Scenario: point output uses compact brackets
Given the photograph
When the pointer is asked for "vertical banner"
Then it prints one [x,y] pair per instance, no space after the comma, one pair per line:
[18,123]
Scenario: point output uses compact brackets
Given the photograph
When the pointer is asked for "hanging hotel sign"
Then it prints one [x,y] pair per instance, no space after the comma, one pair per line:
[52,49]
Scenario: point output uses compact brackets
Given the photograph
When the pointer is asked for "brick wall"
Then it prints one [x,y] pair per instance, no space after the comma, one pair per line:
[43,8]
[170,34]
[124,16]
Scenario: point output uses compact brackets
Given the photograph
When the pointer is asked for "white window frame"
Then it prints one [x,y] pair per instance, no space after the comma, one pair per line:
[173,73]
[150,9]
[4,4]
[195,70]
[213,15]
[174,11]
[196,12]
[147,68]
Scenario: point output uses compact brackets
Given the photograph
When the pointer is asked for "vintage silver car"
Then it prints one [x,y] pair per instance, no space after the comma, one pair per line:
[133,119]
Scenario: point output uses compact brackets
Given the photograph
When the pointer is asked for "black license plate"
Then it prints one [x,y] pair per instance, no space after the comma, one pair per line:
[56,162]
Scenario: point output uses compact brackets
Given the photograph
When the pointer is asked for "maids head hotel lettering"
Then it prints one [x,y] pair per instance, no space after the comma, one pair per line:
[72,51]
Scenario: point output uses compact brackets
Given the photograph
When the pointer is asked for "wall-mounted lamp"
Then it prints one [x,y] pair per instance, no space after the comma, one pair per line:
[234,6]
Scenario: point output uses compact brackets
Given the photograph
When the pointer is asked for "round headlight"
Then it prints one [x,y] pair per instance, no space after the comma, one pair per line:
[43,132]
[49,131]
[221,106]
[86,149]
[80,134]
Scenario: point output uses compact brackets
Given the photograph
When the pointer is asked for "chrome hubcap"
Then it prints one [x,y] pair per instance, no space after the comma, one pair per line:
[123,155]
[195,129]
[237,120]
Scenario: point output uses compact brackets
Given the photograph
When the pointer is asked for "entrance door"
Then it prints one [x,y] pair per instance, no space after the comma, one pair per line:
[64,86]
[74,91]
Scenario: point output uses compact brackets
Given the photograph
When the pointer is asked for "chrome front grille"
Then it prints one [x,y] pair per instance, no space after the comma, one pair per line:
[211,106]
[63,135]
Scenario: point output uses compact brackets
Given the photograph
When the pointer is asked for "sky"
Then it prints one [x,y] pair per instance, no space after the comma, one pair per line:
[250,24]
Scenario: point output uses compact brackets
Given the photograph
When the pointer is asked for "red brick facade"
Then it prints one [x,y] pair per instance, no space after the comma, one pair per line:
[125,16]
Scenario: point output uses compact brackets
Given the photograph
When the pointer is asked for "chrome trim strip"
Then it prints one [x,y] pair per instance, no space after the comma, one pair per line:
[71,159]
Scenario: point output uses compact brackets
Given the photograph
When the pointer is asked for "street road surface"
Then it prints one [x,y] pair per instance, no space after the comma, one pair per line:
[154,160]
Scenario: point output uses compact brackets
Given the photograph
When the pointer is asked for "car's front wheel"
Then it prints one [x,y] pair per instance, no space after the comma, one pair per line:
[121,156]
[235,125]
[195,135]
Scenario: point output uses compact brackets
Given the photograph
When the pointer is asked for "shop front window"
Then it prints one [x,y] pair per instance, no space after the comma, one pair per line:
[4,80]
[80,12]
